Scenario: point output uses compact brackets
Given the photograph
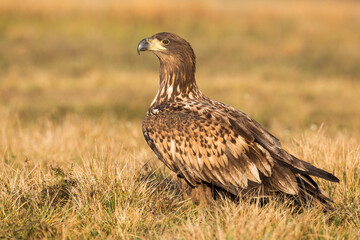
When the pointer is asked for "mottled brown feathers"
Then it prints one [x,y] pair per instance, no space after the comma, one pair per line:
[208,142]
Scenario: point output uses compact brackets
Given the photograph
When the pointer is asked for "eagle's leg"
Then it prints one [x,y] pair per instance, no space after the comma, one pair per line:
[201,193]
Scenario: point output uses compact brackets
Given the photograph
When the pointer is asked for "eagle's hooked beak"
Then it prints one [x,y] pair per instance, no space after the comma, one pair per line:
[150,44]
[143,45]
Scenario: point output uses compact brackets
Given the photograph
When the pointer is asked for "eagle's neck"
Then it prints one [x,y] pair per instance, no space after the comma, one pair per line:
[177,82]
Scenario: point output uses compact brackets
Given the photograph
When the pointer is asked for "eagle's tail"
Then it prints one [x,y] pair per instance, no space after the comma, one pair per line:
[310,190]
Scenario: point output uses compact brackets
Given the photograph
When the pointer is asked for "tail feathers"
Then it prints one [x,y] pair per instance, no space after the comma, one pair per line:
[311,191]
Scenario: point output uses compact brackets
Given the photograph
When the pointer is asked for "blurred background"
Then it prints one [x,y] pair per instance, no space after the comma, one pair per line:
[291,65]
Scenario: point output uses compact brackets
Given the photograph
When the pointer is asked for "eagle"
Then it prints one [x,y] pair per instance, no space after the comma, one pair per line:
[211,145]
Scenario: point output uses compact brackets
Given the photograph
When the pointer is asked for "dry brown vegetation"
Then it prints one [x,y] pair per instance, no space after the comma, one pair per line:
[73,92]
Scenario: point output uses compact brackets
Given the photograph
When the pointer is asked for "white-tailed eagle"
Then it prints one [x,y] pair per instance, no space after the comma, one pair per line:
[210,144]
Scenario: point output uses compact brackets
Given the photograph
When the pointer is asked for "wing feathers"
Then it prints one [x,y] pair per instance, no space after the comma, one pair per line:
[312,170]
[224,149]
[284,180]
[262,159]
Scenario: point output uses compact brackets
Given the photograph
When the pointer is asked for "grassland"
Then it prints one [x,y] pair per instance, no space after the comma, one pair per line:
[73,92]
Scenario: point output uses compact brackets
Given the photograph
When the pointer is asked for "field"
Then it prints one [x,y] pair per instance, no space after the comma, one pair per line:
[73,93]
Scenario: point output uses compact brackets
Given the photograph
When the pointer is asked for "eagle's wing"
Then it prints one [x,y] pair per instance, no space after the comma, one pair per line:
[270,143]
[204,144]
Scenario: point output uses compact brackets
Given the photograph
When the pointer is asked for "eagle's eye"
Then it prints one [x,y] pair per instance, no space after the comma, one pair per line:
[165,41]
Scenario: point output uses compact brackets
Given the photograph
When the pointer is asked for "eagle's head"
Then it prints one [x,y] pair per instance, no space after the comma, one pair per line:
[169,48]
[177,66]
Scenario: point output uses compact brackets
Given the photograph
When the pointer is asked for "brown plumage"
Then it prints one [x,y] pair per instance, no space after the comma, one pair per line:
[208,143]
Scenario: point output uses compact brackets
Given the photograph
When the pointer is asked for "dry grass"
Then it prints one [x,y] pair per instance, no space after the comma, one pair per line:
[86,178]
[73,160]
